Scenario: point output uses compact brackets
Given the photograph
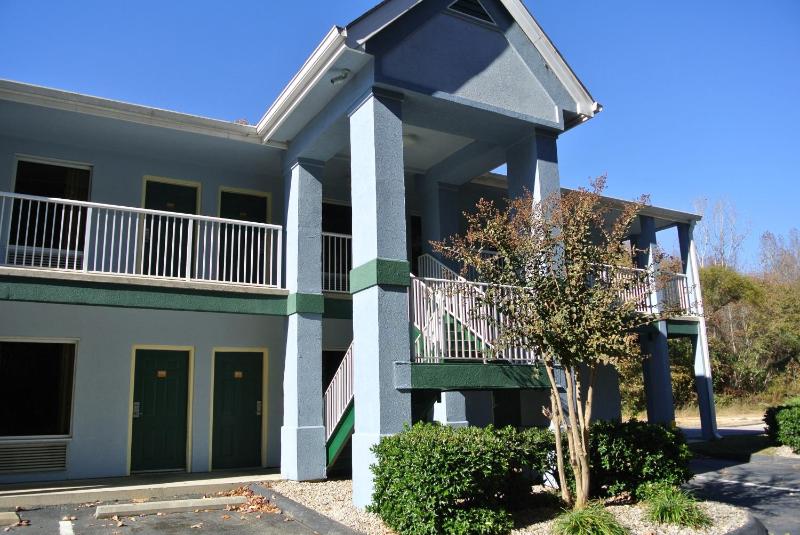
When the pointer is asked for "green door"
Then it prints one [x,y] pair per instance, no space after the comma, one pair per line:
[241,261]
[160,399]
[237,410]
[166,239]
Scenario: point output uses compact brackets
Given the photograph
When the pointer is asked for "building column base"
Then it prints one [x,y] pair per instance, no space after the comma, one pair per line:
[303,453]
[363,478]
[451,410]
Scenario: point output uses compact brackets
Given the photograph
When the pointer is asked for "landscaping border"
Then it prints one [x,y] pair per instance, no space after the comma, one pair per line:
[323,524]
[753,526]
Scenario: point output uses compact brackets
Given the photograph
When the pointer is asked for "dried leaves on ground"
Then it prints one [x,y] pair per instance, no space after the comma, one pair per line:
[256,503]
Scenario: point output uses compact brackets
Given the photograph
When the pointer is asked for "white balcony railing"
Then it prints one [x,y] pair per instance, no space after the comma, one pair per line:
[452,321]
[77,236]
[337,261]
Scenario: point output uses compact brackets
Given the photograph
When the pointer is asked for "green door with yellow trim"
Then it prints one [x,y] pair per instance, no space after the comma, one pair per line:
[238,408]
[160,405]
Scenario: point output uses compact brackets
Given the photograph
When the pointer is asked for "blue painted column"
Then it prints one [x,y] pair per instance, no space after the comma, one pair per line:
[533,166]
[657,376]
[441,214]
[441,219]
[379,280]
[702,358]
[303,435]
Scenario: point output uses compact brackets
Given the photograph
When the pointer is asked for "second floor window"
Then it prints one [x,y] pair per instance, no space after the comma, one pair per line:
[39,227]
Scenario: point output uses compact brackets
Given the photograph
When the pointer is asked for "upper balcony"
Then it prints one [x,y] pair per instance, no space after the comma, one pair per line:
[48,236]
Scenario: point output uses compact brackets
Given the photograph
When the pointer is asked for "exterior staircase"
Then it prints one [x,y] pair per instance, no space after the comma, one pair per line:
[450,321]
[339,417]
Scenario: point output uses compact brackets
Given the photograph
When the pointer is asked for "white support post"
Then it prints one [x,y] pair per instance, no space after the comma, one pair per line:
[657,375]
[702,357]
[87,239]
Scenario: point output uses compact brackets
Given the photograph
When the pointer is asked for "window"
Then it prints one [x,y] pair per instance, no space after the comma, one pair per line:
[337,218]
[36,393]
[49,180]
[473,9]
[40,227]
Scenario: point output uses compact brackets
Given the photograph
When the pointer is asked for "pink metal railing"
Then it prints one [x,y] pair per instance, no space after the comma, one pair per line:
[339,393]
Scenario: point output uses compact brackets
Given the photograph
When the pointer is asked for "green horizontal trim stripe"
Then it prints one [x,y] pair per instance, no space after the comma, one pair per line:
[300,303]
[477,376]
[380,272]
[132,296]
[682,328]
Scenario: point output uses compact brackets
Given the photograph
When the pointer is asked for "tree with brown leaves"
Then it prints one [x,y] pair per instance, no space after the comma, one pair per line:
[551,270]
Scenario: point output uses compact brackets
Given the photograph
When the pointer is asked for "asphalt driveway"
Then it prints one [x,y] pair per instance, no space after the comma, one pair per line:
[768,486]
[50,520]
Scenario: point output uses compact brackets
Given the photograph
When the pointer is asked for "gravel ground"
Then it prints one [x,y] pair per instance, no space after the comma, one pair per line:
[333,498]
[724,519]
[786,451]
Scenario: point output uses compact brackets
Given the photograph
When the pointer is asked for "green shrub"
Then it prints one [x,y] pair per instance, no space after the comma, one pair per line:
[478,520]
[591,520]
[671,505]
[648,490]
[789,427]
[771,418]
[624,455]
[438,479]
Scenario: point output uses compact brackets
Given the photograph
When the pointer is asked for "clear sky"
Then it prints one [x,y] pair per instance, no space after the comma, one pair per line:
[702,99]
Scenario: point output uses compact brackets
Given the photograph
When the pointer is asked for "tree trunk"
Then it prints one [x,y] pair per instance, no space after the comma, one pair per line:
[576,454]
[557,419]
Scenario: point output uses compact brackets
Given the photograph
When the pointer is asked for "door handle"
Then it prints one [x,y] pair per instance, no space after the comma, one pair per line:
[258,408]
[137,409]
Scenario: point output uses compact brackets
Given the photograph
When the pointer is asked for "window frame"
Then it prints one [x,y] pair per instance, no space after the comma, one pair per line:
[57,162]
[44,340]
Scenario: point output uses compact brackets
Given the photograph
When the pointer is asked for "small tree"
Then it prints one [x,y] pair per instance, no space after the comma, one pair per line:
[550,276]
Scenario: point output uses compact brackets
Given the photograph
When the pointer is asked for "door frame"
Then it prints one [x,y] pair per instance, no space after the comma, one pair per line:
[244,191]
[264,401]
[198,186]
[189,398]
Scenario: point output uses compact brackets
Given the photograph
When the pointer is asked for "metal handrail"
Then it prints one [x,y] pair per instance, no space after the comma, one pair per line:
[339,393]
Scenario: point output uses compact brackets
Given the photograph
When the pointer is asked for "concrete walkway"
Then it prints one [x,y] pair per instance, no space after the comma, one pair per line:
[127,488]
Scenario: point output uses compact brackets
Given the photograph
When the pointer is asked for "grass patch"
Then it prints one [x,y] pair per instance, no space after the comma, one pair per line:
[735,448]
[592,520]
[670,505]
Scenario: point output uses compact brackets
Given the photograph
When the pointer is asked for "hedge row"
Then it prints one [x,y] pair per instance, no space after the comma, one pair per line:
[437,479]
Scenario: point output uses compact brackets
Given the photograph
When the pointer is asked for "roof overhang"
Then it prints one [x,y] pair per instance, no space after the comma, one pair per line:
[373,21]
[114,109]
[313,86]
[342,49]
[666,216]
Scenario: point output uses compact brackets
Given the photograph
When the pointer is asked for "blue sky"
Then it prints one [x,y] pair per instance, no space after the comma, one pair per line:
[702,99]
